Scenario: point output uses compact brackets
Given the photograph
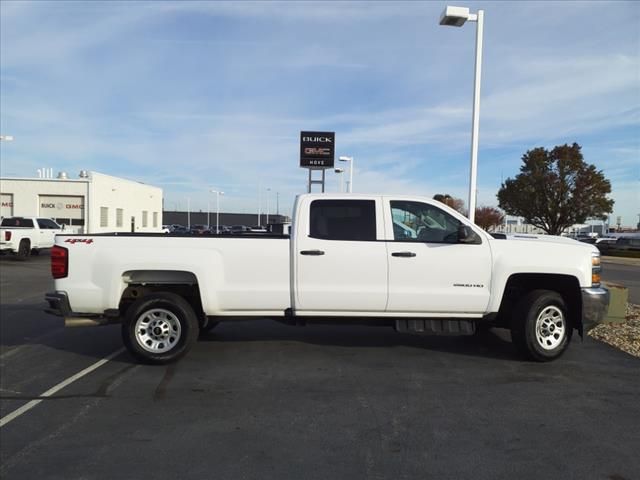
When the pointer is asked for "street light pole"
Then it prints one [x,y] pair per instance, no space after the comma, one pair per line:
[188,213]
[218,193]
[268,190]
[350,160]
[259,203]
[340,171]
[456,17]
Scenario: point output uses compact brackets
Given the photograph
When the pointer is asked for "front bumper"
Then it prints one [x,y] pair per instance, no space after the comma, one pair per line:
[595,302]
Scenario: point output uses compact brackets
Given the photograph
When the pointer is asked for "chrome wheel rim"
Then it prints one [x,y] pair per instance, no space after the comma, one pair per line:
[550,327]
[158,330]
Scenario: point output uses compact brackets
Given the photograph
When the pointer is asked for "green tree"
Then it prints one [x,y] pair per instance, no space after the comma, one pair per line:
[556,189]
[487,217]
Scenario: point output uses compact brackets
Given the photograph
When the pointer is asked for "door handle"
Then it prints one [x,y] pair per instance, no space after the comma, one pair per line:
[312,252]
[403,254]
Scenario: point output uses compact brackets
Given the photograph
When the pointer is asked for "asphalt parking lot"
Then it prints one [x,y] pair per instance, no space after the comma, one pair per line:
[257,400]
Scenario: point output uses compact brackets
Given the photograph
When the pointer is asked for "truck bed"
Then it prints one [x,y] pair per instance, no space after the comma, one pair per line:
[245,274]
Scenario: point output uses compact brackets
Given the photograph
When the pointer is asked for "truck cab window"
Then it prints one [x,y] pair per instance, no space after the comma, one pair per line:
[17,222]
[421,222]
[47,224]
[343,219]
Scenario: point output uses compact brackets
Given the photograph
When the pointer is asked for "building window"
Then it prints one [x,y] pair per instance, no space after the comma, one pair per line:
[119,215]
[155,219]
[104,216]
[144,218]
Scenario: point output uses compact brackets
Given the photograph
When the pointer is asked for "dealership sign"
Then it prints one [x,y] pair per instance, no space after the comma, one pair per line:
[61,206]
[317,149]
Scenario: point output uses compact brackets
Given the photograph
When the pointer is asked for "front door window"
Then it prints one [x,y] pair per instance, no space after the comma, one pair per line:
[421,222]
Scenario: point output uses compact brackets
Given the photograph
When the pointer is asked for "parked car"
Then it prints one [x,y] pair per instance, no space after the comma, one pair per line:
[589,240]
[603,244]
[199,229]
[219,230]
[279,228]
[240,229]
[628,244]
[179,230]
[27,235]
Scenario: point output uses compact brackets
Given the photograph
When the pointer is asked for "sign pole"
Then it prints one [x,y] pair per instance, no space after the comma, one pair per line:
[318,182]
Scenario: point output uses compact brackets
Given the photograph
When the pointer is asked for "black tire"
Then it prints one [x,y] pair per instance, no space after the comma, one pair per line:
[206,325]
[24,249]
[35,252]
[540,326]
[167,328]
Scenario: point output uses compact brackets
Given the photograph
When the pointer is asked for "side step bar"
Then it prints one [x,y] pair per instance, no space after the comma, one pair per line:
[436,326]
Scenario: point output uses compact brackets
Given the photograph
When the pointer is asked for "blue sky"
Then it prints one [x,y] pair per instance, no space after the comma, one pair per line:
[191,96]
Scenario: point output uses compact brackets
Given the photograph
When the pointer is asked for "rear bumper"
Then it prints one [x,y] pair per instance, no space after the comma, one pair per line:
[58,304]
[6,246]
[595,302]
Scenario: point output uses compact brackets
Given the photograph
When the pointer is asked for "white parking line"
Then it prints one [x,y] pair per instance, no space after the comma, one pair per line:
[28,406]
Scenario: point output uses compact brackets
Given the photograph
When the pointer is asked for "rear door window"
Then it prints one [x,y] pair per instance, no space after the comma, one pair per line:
[343,220]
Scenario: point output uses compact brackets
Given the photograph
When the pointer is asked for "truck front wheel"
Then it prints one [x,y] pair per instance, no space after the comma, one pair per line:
[159,328]
[540,327]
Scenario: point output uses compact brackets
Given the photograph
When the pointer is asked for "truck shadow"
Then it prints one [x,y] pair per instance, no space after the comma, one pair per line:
[27,325]
[41,257]
[495,343]
[24,324]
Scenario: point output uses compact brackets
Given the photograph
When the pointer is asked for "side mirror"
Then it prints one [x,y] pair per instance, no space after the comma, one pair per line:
[467,235]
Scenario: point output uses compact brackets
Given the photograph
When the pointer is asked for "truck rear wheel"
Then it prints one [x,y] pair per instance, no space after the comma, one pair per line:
[159,328]
[540,327]
[24,249]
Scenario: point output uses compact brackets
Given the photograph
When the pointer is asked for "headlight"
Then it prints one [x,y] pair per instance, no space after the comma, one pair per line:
[596,269]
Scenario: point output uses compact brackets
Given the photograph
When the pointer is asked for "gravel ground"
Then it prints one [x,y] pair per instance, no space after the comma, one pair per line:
[624,336]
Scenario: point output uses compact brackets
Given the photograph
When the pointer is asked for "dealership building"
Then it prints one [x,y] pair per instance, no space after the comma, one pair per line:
[91,203]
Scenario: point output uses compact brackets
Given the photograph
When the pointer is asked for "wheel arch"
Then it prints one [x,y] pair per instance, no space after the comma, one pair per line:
[519,284]
[140,283]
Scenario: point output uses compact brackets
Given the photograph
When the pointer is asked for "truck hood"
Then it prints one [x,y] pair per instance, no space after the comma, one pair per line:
[540,238]
[543,238]
[543,254]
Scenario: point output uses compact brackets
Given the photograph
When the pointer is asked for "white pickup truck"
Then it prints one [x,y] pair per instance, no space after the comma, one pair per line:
[27,235]
[407,262]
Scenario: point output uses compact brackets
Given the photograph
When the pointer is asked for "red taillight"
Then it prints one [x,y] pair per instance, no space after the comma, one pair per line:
[59,262]
[7,236]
